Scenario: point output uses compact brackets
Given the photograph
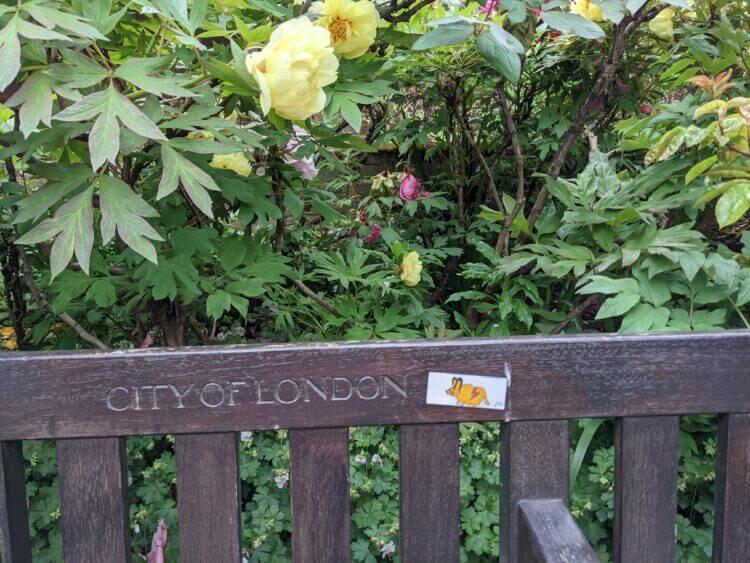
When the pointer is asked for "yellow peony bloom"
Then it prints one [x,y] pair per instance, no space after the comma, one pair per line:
[662,25]
[293,68]
[352,25]
[7,332]
[411,269]
[11,344]
[587,9]
[235,161]
[202,134]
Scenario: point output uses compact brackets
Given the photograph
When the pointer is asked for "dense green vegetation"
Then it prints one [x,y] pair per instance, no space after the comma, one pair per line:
[189,172]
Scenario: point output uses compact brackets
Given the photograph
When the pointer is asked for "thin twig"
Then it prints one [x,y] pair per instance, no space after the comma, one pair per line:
[390,15]
[503,241]
[64,317]
[487,169]
[577,310]
[315,297]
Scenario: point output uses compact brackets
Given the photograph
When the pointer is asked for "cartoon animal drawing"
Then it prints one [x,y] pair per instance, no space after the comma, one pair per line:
[466,394]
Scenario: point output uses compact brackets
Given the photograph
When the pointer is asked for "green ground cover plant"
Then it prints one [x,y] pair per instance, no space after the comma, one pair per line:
[239,171]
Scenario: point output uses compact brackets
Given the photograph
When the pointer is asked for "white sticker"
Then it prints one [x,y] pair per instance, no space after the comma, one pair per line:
[471,391]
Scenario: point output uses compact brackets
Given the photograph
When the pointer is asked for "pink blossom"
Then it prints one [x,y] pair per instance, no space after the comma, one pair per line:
[490,6]
[158,544]
[372,238]
[409,190]
[147,342]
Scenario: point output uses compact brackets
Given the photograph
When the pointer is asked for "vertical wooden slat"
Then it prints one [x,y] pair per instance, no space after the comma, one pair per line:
[549,534]
[208,497]
[645,489]
[732,501]
[93,500]
[533,465]
[320,495]
[15,544]
[429,463]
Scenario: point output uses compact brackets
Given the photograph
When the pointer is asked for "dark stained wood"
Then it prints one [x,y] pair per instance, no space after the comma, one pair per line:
[208,497]
[732,501]
[429,463]
[50,395]
[549,534]
[320,495]
[93,500]
[14,520]
[533,465]
[645,489]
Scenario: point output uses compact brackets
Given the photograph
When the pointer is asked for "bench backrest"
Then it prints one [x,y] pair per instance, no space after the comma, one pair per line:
[88,402]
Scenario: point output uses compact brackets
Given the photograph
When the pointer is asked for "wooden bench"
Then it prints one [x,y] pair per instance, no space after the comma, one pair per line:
[88,402]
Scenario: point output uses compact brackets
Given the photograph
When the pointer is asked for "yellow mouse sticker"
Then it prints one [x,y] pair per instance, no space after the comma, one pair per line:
[468,391]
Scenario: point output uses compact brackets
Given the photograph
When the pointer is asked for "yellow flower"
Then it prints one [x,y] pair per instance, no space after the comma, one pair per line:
[587,9]
[7,332]
[235,161]
[202,134]
[353,25]
[411,269]
[11,344]
[662,25]
[293,68]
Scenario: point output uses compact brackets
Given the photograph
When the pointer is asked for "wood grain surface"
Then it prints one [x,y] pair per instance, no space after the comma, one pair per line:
[430,496]
[93,500]
[645,489]
[208,497]
[53,395]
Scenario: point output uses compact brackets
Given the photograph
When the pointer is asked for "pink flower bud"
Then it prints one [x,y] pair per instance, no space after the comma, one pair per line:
[490,6]
[158,544]
[147,342]
[372,238]
[409,190]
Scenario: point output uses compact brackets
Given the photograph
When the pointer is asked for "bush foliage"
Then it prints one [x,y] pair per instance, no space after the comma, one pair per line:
[189,172]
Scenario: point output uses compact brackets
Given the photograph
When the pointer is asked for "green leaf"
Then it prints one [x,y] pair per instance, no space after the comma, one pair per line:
[72,227]
[61,180]
[109,107]
[102,291]
[35,99]
[123,211]
[143,73]
[733,204]
[516,10]
[566,22]
[618,305]
[499,56]
[605,285]
[50,17]
[449,34]
[179,170]
[639,319]
[10,53]
[218,303]
[700,168]
[350,112]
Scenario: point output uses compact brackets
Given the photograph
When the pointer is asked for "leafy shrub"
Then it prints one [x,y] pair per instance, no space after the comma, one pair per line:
[510,167]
